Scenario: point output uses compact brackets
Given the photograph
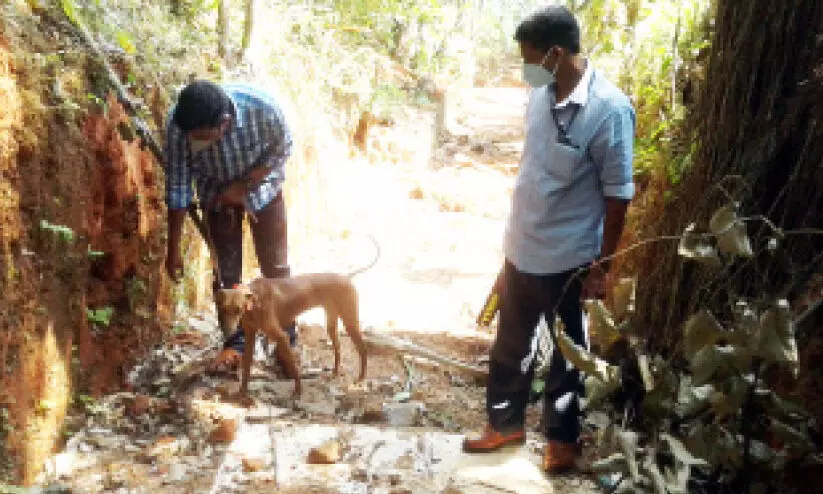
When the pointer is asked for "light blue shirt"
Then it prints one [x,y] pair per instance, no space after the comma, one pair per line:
[258,123]
[558,204]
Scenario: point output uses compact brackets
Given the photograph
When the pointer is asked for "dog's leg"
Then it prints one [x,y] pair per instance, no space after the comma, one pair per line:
[331,327]
[286,356]
[350,315]
[249,333]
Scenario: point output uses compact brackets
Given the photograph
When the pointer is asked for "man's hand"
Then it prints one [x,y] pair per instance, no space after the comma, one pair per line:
[174,265]
[233,195]
[594,286]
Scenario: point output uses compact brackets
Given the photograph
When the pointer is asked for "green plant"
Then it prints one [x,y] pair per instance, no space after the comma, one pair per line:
[63,233]
[703,417]
[100,317]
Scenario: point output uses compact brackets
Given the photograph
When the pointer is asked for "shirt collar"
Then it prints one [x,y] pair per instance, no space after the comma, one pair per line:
[580,94]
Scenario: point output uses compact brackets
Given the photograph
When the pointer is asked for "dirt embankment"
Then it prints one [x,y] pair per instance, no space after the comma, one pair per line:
[80,241]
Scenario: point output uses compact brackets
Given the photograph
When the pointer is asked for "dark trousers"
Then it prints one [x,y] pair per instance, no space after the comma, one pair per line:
[524,298]
[270,243]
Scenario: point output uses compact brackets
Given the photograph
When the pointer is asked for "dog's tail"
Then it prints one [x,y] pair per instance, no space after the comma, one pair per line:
[373,261]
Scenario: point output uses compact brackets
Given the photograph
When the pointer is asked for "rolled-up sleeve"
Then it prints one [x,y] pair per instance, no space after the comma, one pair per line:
[179,191]
[612,150]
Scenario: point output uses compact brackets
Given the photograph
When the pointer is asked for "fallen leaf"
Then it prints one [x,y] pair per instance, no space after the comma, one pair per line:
[678,449]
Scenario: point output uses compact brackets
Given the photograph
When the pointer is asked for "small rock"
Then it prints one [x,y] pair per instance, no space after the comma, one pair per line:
[373,413]
[325,454]
[263,414]
[360,475]
[165,447]
[177,473]
[403,414]
[225,430]
[251,465]
[395,478]
[141,404]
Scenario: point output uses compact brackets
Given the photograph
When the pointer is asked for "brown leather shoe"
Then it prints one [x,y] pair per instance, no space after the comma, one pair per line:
[559,457]
[491,440]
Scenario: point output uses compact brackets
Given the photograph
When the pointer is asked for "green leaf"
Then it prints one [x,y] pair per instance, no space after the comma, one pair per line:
[782,408]
[678,449]
[70,10]
[729,403]
[775,339]
[623,297]
[732,237]
[705,364]
[701,330]
[602,328]
[598,391]
[695,247]
[402,397]
[791,436]
[658,481]
[586,361]
[645,372]
[628,441]
[677,481]
[124,39]
[692,398]
[611,464]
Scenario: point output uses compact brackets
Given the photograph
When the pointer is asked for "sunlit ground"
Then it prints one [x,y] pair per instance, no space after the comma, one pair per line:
[440,231]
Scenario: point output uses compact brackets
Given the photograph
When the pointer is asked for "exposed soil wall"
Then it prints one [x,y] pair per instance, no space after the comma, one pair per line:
[81,226]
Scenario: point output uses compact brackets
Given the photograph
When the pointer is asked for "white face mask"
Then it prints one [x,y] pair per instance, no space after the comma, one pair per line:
[536,75]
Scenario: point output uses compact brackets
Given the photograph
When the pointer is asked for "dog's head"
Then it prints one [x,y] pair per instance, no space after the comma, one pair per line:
[233,303]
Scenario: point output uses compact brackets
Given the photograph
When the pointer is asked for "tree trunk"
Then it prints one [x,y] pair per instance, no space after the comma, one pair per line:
[248,25]
[757,118]
[222,28]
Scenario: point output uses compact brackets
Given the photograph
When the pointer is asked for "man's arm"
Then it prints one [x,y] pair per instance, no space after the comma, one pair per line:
[613,222]
[179,194]
[612,152]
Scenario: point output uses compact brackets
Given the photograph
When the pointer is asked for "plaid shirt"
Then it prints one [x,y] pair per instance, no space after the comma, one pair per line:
[258,122]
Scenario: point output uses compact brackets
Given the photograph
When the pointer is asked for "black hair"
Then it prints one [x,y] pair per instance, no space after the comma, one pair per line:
[201,104]
[550,26]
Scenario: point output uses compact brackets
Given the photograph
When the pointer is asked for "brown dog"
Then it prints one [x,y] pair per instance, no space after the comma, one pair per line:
[267,304]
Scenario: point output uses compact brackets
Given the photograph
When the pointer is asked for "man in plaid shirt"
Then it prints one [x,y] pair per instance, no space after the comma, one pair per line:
[232,141]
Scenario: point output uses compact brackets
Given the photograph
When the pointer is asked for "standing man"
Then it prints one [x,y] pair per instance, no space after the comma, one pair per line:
[568,210]
[233,141]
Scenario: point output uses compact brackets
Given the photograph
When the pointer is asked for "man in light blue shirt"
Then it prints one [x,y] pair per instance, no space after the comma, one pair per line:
[568,210]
